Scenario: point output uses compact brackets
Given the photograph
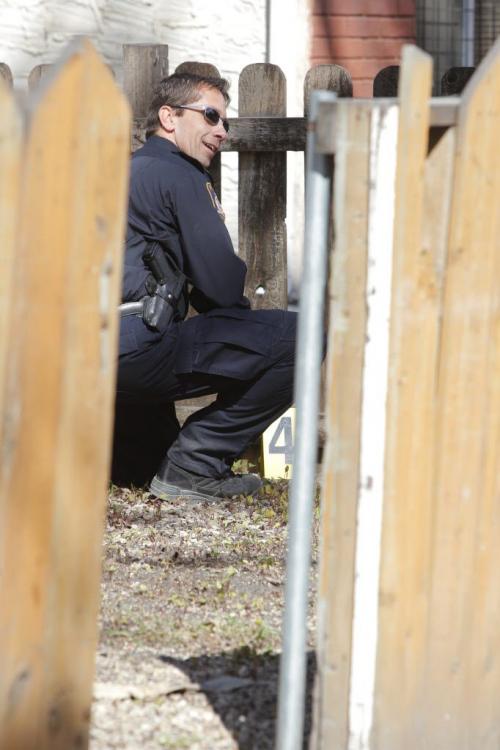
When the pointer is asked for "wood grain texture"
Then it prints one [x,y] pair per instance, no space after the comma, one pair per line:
[327,78]
[340,480]
[6,74]
[443,114]
[262,193]
[144,66]
[266,134]
[10,169]
[463,659]
[199,68]
[438,660]
[336,79]
[408,491]
[59,400]
[252,134]
[38,74]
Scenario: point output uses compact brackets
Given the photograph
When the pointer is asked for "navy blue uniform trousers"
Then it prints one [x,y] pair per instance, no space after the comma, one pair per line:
[244,356]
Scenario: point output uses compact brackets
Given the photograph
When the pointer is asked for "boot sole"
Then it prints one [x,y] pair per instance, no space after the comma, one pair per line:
[166,491]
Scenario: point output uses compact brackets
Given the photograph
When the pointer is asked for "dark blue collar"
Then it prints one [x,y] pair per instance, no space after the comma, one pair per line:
[163,148]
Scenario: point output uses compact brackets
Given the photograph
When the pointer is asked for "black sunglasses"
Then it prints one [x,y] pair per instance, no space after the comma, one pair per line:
[209,113]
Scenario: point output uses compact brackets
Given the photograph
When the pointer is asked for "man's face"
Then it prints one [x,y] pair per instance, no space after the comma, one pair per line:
[191,132]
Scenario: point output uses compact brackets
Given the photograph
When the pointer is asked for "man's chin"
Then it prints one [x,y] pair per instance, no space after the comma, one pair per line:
[207,156]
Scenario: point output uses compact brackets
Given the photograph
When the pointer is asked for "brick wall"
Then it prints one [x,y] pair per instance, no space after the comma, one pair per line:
[361,35]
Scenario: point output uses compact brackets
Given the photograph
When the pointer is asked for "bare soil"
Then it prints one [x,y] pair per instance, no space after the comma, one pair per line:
[192,601]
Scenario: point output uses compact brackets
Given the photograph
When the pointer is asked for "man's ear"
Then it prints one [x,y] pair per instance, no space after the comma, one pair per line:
[166,116]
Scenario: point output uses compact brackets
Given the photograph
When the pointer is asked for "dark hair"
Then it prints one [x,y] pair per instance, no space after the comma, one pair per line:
[181,88]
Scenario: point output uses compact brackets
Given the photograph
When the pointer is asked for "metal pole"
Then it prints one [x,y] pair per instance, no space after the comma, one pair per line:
[291,697]
[468,21]
[267,51]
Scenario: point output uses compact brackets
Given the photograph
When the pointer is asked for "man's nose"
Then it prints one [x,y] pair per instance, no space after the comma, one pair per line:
[220,131]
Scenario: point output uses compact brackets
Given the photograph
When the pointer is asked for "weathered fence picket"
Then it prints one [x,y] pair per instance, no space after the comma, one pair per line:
[37,74]
[144,66]
[57,393]
[341,454]
[411,385]
[409,650]
[10,159]
[5,74]
[326,78]
[459,706]
[262,192]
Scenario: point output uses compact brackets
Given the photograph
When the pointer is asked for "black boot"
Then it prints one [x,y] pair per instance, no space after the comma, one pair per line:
[172,482]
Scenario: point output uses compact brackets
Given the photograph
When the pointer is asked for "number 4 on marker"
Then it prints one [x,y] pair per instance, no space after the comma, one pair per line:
[284,434]
[277,446]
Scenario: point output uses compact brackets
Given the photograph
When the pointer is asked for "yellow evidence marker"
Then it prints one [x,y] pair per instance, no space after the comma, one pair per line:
[277,446]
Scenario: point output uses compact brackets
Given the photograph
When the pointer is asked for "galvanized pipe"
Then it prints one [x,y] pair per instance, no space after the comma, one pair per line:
[291,699]
[468,24]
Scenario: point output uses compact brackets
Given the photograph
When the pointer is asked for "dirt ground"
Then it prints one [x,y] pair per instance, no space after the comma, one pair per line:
[192,600]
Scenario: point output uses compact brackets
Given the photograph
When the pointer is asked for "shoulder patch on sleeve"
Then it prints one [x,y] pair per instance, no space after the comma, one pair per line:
[215,201]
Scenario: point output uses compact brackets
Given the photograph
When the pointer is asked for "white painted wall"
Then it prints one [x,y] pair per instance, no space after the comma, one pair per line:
[289,48]
[229,35]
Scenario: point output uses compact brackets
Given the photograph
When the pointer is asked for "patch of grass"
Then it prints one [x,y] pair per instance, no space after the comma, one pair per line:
[179,742]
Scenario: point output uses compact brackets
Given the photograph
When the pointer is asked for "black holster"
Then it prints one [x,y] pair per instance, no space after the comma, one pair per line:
[164,287]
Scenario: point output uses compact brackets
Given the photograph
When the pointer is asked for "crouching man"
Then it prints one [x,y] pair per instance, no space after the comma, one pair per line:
[178,251]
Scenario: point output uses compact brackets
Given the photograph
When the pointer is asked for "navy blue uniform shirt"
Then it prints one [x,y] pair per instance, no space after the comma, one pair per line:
[172,201]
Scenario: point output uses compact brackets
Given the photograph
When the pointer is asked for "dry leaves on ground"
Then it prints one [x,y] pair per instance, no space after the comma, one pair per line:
[191,623]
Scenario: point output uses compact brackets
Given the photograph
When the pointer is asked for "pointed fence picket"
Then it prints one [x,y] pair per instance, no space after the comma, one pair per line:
[347,335]
[57,394]
[37,74]
[5,74]
[411,384]
[262,192]
[459,704]
[144,66]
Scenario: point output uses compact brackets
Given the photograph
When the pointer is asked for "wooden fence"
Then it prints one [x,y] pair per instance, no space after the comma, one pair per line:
[409,597]
[63,187]
[62,200]
[261,134]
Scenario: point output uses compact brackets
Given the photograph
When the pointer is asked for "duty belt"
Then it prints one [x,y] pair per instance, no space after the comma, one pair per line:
[131,308]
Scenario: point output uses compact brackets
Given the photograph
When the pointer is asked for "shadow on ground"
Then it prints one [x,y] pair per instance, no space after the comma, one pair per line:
[242,688]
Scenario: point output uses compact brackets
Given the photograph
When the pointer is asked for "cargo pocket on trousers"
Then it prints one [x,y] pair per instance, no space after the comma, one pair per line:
[233,345]
[228,360]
